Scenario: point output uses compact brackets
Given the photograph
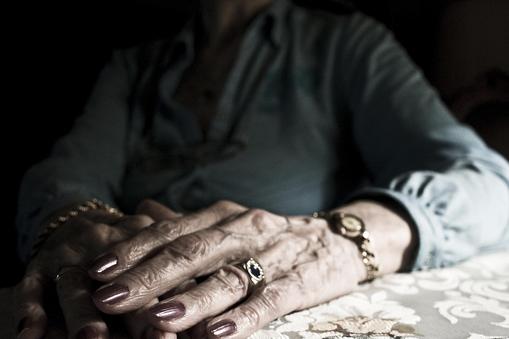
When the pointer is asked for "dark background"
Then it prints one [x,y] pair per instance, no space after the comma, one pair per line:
[53,54]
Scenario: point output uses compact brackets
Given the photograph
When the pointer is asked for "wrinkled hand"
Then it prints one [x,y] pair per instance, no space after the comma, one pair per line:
[305,263]
[67,252]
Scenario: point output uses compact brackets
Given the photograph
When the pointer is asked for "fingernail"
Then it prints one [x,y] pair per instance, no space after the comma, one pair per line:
[104,263]
[87,332]
[223,328]
[111,294]
[22,324]
[169,311]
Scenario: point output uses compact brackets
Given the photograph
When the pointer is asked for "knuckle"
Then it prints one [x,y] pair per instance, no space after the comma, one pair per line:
[190,247]
[235,281]
[296,286]
[141,219]
[270,298]
[225,205]
[26,283]
[165,230]
[28,308]
[34,278]
[202,300]
[295,278]
[102,232]
[259,218]
[20,291]
[27,295]
[144,278]
[251,314]
[183,226]
[175,230]
[129,253]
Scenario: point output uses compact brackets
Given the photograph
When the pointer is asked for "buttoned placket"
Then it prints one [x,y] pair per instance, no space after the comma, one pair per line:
[227,127]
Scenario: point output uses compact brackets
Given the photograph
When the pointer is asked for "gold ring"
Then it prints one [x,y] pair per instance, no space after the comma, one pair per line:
[254,270]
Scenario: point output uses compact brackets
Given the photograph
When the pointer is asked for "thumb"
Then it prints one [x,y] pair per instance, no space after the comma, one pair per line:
[156,210]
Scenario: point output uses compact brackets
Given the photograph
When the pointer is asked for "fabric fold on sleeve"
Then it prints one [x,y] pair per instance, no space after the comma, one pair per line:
[452,185]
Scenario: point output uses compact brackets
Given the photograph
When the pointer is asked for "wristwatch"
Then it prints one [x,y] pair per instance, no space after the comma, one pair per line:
[353,228]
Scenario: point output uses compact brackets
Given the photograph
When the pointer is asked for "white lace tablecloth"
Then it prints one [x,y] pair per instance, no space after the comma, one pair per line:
[469,301]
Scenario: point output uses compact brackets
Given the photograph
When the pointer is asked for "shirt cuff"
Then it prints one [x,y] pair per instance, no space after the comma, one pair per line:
[427,226]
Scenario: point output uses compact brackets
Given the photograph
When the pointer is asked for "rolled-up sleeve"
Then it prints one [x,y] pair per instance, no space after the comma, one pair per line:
[454,188]
[87,163]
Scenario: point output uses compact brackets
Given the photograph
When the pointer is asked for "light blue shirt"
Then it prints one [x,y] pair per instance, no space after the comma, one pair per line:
[317,110]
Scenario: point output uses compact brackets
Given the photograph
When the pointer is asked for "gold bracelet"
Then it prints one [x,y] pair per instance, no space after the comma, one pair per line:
[353,228]
[56,222]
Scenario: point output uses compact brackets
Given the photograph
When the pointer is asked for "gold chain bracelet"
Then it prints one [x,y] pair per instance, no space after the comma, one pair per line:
[56,222]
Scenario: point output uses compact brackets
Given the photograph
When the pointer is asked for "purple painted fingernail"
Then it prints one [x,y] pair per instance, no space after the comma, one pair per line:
[87,332]
[104,263]
[168,311]
[111,294]
[223,328]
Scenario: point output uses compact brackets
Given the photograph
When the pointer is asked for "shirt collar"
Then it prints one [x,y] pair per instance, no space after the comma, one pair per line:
[183,43]
[270,23]
[275,16]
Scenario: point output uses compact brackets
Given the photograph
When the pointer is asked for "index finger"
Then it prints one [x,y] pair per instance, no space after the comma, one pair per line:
[129,253]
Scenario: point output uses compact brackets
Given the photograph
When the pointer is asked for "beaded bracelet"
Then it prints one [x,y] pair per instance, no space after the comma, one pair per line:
[54,223]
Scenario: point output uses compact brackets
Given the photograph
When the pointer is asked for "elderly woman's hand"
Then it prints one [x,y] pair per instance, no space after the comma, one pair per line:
[66,253]
[304,261]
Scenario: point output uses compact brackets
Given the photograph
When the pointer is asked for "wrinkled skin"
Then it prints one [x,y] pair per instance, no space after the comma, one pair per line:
[68,252]
[298,255]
